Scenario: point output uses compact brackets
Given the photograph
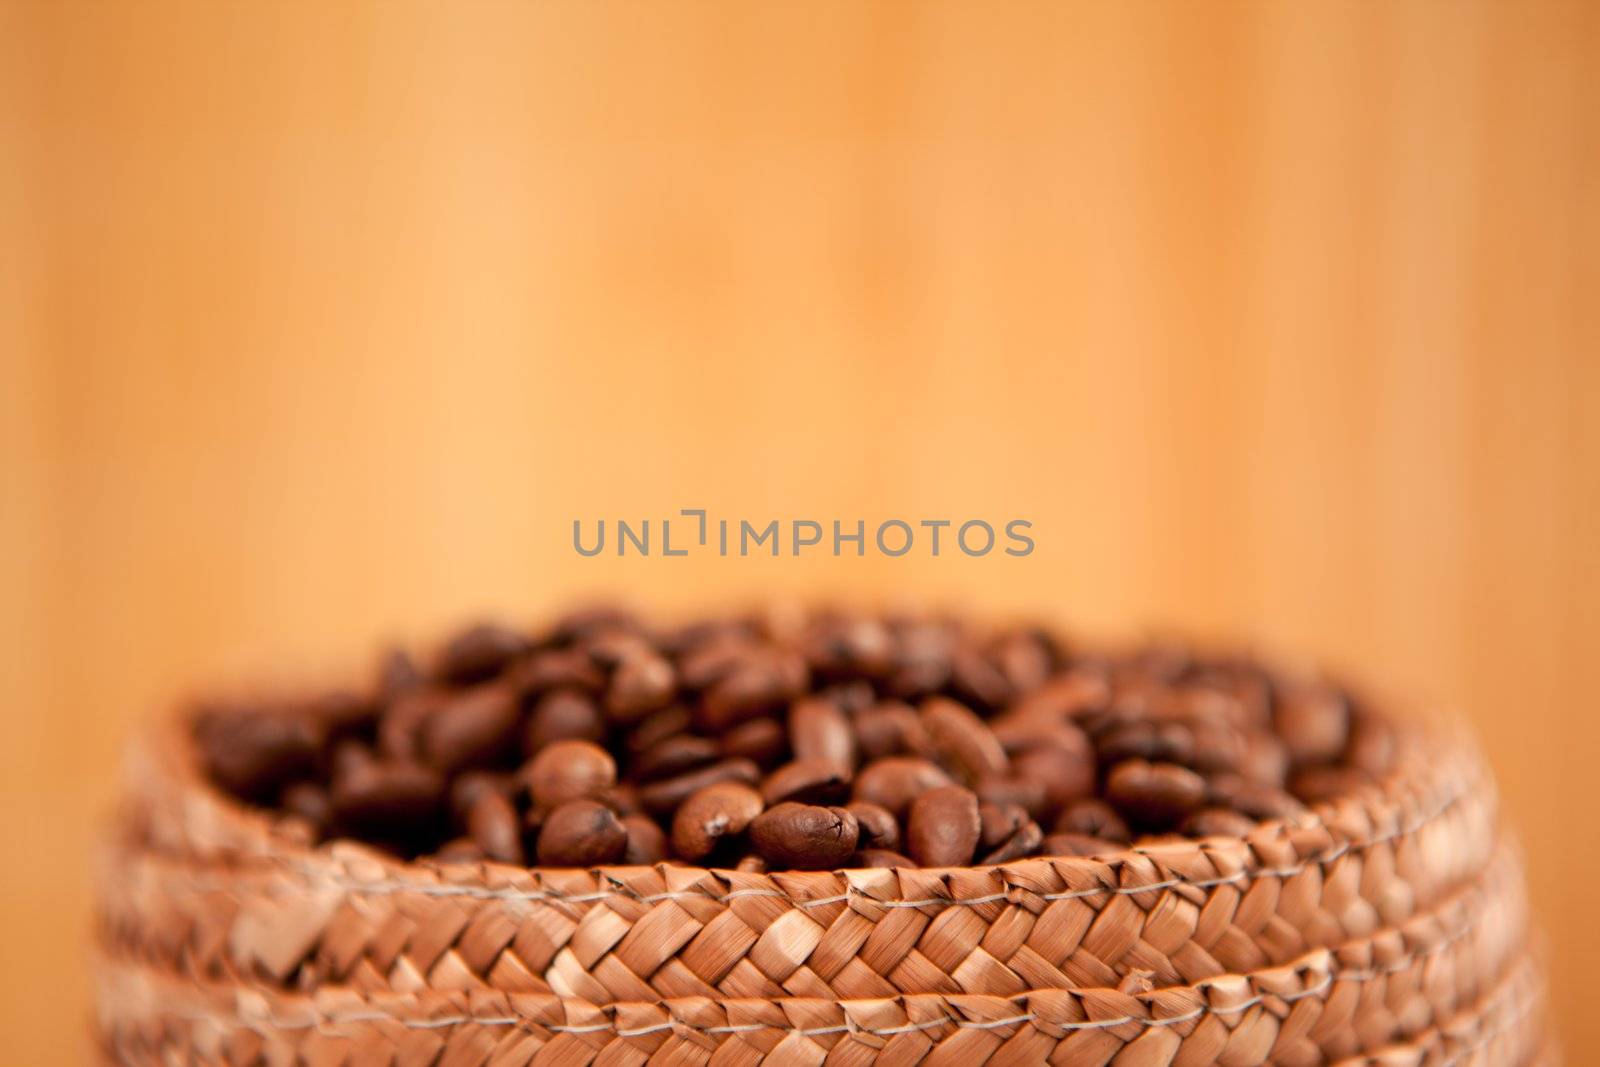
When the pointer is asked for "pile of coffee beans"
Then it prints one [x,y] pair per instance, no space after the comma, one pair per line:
[814,741]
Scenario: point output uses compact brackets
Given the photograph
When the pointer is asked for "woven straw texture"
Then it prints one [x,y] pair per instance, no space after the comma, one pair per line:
[1387,928]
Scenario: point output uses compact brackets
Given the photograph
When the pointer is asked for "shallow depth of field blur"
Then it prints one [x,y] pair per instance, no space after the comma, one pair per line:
[322,323]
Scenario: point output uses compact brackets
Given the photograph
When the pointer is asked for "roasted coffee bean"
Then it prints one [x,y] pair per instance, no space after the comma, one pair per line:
[1314,785]
[997,822]
[962,742]
[818,730]
[712,814]
[492,824]
[1314,724]
[657,727]
[943,827]
[343,713]
[881,857]
[672,756]
[894,782]
[760,684]
[479,652]
[921,660]
[878,829]
[642,683]
[310,802]
[1025,792]
[1025,658]
[562,715]
[556,668]
[1264,759]
[1079,845]
[807,781]
[581,833]
[976,679]
[1254,799]
[401,722]
[465,789]
[759,740]
[1146,739]
[474,729]
[1218,747]
[1093,818]
[459,850]
[568,770]
[804,837]
[752,865]
[1154,795]
[846,648]
[1063,696]
[714,658]
[661,798]
[647,842]
[253,754]
[386,798]
[622,798]
[1217,822]
[1025,842]
[891,729]
[1067,774]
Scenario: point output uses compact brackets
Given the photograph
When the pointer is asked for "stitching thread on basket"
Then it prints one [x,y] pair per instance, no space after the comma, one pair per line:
[393,886]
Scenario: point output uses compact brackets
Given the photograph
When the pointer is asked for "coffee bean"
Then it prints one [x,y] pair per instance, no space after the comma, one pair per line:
[401,722]
[1315,785]
[568,770]
[479,652]
[943,826]
[760,740]
[1025,792]
[492,824]
[1093,818]
[1217,822]
[386,797]
[894,782]
[647,842]
[1154,795]
[891,729]
[1314,723]
[397,673]
[921,660]
[465,789]
[1025,842]
[1079,845]
[997,822]
[459,850]
[562,715]
[807,781]
[252,754]
[641,684]
[844,648]
[1066,774]
[804,837]
[1264,759]
[561,668]
[672,756]
[878,829]
[581,833]
[711,814]
[1025,659]
[963,743]
[975,679]
[880,857]
[661,798]
[819,731]
[760,684]
[1254,799]
[1146,739]
[475,728]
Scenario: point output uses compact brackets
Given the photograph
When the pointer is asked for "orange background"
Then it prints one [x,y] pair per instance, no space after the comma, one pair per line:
[322,322]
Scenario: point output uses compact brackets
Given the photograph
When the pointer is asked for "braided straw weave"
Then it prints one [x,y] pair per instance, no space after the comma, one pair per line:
[1388,924]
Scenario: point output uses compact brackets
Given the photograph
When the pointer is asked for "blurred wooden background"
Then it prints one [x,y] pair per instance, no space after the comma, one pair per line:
[321,322]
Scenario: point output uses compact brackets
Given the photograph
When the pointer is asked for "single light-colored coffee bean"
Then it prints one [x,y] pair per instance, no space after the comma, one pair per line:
[1154,795]
[804,837]
[492,823]
[474,728]
[818,730]
[711,815]
[581,833]
[878,829]
[562,715]
[807,781]
[662,798]
[962,741]
[943,827]
[894,782]
[568,770]
[1092,817]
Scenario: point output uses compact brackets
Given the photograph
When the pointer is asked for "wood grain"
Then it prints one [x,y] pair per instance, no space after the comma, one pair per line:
[323,322]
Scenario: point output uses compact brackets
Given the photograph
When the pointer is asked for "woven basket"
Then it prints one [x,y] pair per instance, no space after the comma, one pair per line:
[1387,927]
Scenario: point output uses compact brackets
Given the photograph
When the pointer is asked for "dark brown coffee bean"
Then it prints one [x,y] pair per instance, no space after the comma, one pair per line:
[657,727]
[1025,792]
[479,652]
[804,837]
[894,782]
[878,829]
[850,648]
[714,658]
[675,755]
[962,742]
[309,802]
[1217,822]
[459,850]
[1093,818]
[881,857]
[975,679]
[465,789]
[647,842]
[562,715]
[253,754]
[661,798]
[997,822]
[568,770]
[1254,799]
[1218,747]
[1313,722]
[397,673]
[1316,785]
[922,660]
[760,684]
[559,668]
[1067,774]
[642,683]
[342,713]
[492,823]
[474,729]
[1025,658]
[622,798]
[1154,795]
[1151,740]
[386,798]
[581,833]
[807,782]
[712,814]
[1079,845]
[760,740]
[401,722]
[943,826]
[1063,696]
[891,729]
[1025,842]
[818,730]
